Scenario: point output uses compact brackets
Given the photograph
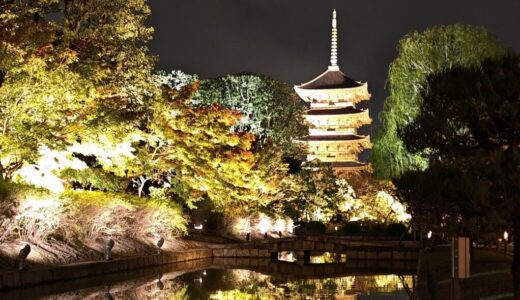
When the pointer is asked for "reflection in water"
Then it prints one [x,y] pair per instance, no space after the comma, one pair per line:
[327,258]
[245,284]
[221,284]
[352,287]
[316,258]
[212,279]
[286,256]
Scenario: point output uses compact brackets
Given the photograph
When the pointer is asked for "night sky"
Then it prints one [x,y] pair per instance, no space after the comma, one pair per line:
[290,39]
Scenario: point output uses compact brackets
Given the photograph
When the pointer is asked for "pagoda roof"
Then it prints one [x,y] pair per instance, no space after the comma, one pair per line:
[345,137]
[335,111]
[333,78]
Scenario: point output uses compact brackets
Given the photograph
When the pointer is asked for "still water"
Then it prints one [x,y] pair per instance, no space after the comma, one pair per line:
[327,277]
[245,284]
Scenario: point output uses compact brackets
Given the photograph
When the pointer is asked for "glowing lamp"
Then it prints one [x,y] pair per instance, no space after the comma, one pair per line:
[279,225]
[264,225]
[198,226]
[430,233]
[506,236]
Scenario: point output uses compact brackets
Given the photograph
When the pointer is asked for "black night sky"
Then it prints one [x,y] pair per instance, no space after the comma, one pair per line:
[289,39]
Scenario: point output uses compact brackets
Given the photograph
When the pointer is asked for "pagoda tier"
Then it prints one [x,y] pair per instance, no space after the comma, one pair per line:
[344,120]
[336,148]
[333,117]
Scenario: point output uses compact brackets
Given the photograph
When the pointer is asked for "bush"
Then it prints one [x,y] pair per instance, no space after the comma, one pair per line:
[27,212]
[111,214]
[37,215]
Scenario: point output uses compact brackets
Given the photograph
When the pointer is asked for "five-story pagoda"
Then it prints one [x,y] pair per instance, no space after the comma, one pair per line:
[333,117]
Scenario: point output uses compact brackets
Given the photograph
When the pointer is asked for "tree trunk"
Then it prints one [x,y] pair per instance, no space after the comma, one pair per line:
[516,257]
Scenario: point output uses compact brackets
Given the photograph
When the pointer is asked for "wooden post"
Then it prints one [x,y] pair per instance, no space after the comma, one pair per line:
[460,250]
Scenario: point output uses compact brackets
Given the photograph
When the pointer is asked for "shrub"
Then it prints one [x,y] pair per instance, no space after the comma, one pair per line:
[112,214]
[160,219]
[35,215]
[100,214]
[28,213]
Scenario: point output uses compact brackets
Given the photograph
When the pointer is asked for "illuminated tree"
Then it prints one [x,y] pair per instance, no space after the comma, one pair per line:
[367,199]
[422,54]
[468,123]
[271,110]
[194,151]
[311,194]
[81,108]
[70,76]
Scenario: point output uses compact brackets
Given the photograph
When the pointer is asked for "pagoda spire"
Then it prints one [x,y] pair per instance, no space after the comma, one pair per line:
[334,44]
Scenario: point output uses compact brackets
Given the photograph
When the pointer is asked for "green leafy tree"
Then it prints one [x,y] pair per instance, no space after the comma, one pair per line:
[468,126]
[271,110]
[422,54]
[311,194]
[80,103]
[194,150]
[70,71]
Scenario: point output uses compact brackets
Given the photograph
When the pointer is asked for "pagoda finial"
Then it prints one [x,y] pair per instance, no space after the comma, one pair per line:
[334,43]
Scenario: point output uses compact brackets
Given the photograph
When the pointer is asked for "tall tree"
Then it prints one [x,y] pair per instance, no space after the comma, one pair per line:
[421,54]
[271,109]
[70,71]
[469,123]
[79,99]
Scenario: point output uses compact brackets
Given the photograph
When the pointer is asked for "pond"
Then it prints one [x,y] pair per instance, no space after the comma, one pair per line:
[246,284]
[327,277]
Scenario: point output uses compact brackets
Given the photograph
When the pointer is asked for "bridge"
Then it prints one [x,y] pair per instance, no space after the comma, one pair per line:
[303,246]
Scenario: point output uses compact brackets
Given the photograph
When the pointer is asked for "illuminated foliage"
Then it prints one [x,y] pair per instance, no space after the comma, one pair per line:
[422,54]
[38,215]
[65,80]
[271,109]
[312,194]
[81,91]
[365,198]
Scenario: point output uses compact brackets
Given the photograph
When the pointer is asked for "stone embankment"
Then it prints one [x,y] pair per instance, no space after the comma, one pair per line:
[14,279]
[268,249]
